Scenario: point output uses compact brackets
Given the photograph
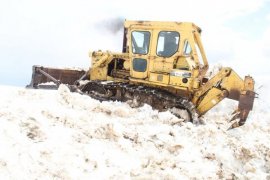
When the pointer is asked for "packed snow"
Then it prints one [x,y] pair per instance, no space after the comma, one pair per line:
[47,134]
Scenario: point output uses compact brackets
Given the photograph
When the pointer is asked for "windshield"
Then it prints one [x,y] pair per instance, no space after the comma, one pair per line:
[140,42]
[167,43]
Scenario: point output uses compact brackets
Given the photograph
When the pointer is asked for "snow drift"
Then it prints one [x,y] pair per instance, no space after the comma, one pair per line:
[64,135]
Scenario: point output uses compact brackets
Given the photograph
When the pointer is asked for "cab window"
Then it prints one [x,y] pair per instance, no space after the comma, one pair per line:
[168,42]
[187,48]
[140,42]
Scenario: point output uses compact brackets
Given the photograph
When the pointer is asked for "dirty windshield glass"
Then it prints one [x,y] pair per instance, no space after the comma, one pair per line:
[140,42]
[167,43]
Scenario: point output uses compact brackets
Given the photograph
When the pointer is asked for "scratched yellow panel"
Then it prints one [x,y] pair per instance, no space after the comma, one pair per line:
[160,78]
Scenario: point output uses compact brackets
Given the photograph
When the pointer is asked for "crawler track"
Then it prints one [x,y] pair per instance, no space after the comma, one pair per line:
[139,95]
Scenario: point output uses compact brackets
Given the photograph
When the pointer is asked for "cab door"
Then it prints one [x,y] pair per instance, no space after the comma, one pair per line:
[163,55]
[140,49]
[165,52]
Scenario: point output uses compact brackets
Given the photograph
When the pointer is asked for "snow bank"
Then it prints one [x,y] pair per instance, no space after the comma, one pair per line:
[62,135]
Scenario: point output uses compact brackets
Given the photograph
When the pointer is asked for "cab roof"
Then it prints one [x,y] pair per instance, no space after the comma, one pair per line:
[162,25]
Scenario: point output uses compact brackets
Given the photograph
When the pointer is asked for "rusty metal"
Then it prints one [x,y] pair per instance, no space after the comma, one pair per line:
[41,76]
[234,94]
[246,100]
[57,82]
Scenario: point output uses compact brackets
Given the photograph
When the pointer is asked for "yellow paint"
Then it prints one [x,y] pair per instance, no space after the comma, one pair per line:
[160,78]
[213,97]
[169,73]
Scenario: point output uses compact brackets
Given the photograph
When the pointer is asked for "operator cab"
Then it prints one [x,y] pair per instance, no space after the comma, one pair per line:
[165,53]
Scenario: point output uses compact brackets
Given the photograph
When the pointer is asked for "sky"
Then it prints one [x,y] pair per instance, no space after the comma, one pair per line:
[60,33]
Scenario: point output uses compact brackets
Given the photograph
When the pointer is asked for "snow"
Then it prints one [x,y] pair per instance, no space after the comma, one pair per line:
[46,134]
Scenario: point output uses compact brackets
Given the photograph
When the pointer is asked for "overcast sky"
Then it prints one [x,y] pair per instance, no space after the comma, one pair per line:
[60,33]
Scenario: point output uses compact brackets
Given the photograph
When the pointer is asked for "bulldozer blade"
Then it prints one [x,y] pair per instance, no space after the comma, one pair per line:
[51,78]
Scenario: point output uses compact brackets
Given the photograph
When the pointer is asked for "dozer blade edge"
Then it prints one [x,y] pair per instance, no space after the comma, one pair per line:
[51,78]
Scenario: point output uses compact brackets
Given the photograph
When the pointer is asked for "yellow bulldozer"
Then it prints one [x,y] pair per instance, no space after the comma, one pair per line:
[162,64]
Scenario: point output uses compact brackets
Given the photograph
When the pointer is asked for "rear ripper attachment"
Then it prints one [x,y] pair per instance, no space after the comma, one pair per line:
[246,101]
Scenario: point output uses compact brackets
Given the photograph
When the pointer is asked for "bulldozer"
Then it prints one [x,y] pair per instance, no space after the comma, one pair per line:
[162,64]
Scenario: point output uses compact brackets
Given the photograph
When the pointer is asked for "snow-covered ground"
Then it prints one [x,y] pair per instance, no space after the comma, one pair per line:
[62,135]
